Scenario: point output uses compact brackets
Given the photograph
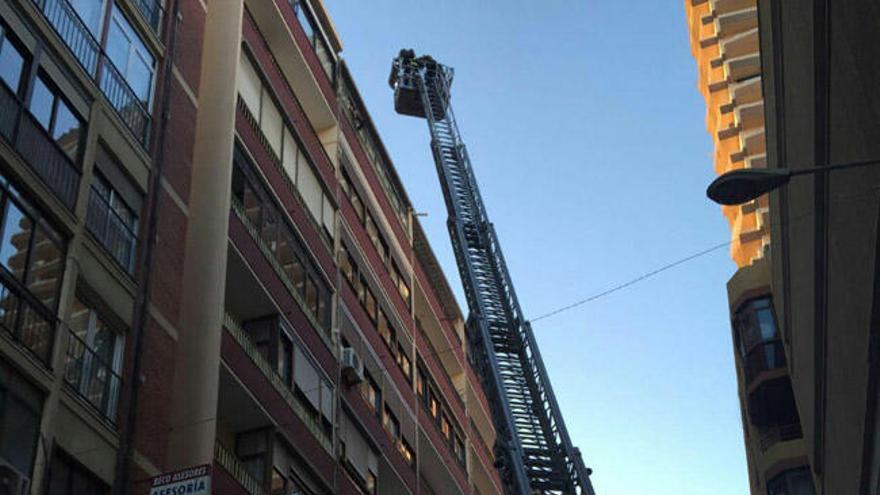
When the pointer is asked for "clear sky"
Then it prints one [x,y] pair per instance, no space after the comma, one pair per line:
[587,136]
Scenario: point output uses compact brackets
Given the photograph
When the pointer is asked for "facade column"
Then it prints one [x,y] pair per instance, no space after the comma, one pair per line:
[197,363]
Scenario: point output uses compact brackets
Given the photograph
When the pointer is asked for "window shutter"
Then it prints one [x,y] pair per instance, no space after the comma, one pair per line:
[249,85]
[306,377]
[310,189]
[288,160]
[272,125]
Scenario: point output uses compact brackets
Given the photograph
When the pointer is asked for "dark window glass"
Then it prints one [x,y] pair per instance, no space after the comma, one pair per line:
[46,266]
[312,296]
[42,101]
[56,117]
[67,477]
[370,304]
[15,241]
[392,425]
[12,63]
[19,424]
[792,482]
[285,359]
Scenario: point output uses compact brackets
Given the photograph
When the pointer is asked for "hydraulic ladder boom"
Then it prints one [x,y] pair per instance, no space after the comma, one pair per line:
[533,451]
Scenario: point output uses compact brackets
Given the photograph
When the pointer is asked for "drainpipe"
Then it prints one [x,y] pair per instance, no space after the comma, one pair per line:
[146,259]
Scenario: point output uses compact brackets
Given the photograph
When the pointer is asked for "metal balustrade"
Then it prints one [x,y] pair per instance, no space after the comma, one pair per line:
[782,433]
[38,149]
[91,377]
[236,469]
[111,230]
[88,52]
[48,160]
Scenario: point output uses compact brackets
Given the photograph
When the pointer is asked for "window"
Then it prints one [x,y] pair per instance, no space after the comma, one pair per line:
[420,384]
[13,64]
[406,451]
[91,12]
[68,477]
[458,449]
[253,449]
[400,281]
[285,358]
[113,222]
[130,56]
[371,483]
[346,265]
[30,249]
[55,116]
[390,422]
[433,404]
[792,482]
[315,39]
[404,362]
[94,359]
[385,331]
[370,303]
[279,484]
[444,427]
[757,339]
[31,268]
[21,407]
[371,393]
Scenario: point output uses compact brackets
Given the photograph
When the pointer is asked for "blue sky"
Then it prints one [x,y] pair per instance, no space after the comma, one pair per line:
[587,136]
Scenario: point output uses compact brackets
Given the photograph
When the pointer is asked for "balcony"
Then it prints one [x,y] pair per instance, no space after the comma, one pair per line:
[92,58]
[91,377]
[782,433]
[45,157]
[763,357]
[111,230]
[236,470]
[26,321]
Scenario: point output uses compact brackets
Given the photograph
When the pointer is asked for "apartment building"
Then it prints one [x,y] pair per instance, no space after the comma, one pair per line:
[803,309]
[725,42]
[294,332]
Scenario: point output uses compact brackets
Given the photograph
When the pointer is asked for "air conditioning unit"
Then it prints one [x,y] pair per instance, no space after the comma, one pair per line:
[12,481]
[352,366]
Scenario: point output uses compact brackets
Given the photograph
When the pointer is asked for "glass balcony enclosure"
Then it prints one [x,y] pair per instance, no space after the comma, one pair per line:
[109,48]
[757,338]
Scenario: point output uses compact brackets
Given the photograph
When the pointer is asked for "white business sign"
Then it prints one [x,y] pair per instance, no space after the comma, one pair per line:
[190,481]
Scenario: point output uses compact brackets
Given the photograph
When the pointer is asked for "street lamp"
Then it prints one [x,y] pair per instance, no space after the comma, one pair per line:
[739,186]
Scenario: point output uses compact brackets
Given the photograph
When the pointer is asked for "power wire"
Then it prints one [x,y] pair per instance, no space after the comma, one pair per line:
[634,281]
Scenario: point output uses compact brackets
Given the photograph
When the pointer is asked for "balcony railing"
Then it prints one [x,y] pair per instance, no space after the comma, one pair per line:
[269,371]
[90,376]
[236,469]
[763,357]
[74,33]
[26,321]
[111,230]
[152,12]
[775,434]
[38,149]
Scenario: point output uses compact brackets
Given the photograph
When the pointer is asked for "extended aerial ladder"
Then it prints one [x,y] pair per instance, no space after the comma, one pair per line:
[534,454]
